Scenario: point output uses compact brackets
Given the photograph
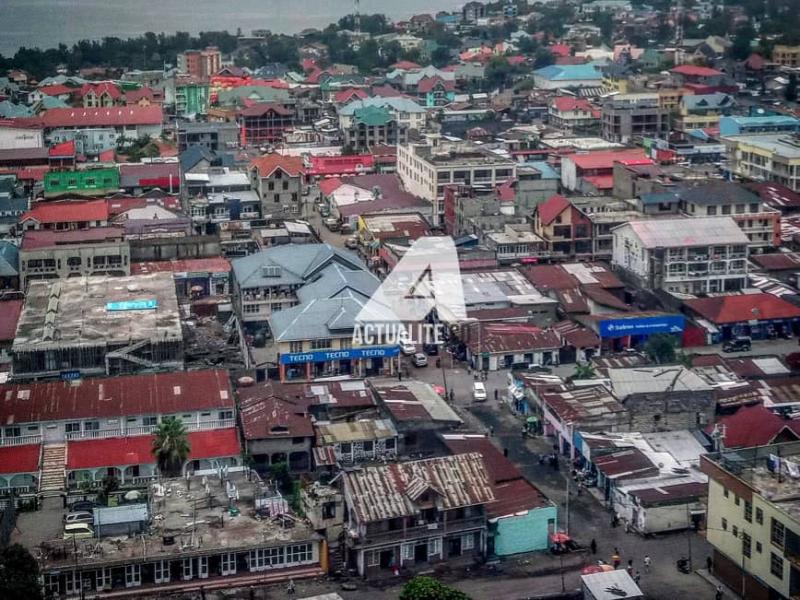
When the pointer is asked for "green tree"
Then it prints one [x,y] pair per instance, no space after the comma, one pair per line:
[428,588]
[171,446]
[19,574]
[584,371]
[660,348]
[279,473]
[790,91]
[741,47]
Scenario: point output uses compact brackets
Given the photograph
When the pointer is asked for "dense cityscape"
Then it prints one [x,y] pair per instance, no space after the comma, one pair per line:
[501,302]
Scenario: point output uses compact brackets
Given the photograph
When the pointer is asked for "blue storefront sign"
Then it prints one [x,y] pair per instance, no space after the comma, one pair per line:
[72,375]
[132,305]
[352,353]
[616,328]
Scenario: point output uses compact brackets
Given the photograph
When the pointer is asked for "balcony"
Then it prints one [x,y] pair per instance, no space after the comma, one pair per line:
[21,440]
[428,529]
[137,430]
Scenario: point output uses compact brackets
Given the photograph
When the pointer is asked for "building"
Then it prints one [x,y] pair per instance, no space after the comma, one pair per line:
[752,519]
[494,346]
[699,255]
[566,231]
[217,136]
[98,251]
[426,170]
[702,111]
[757,315]
[521,518]
[278,180]
[759,222]
[93,326]
[555,77]
[629,117]
[374,126]
[127,121]
[786,56]
[412,515]
[85,182]
[61,216]
[593,172]
[103,94]
[355,442]
[191,96]
[471,12]
[264,123]
[750,125]
[515,243]
[766,158]
[201,64]
[404,110]
[572,113]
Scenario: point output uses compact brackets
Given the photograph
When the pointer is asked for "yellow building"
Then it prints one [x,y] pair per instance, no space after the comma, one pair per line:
[753,519]
[670,97]
[768,157]
[786,56]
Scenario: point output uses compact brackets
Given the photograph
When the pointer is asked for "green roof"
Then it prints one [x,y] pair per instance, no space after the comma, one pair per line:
[372,115]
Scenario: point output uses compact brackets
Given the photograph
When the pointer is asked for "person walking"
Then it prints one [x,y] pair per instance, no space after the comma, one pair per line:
[709,563]
[629,568]
[593,546]
[646,563]
[637,577]
[615,560]
[495,394]
[718,594]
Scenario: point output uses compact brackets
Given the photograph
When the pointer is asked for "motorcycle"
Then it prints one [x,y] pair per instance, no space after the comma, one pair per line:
[684,566]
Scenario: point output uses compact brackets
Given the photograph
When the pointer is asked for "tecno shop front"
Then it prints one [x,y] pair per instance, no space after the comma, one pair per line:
[356,362]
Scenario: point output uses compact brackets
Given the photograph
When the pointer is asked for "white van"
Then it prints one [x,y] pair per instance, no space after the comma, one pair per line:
[479,392]
[78,531]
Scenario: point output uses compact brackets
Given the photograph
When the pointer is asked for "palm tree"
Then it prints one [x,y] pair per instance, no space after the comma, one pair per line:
[584,371]
[171,446]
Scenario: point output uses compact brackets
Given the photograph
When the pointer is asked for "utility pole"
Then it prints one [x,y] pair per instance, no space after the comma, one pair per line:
[566,508]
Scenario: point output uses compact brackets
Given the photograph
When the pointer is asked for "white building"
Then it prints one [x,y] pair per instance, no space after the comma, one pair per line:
[13,137]
[425,170]
[691,256]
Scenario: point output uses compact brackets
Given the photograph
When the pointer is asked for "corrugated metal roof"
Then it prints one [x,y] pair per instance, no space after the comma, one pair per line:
[381,492]
[128,513]
[678,233]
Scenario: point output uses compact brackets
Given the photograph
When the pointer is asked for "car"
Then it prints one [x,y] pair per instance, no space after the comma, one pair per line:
[351,243]
[739,344]
[420,360]
[333,224]
[79,517]
[431,349]
[78,531]
[83,506]
[407,348]
[478,392]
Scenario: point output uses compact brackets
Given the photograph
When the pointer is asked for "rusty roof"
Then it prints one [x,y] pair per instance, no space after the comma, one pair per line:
[583,405]
[671,494]
[514,337]
[385,492]
[628,463]
[354,431]
[270,417]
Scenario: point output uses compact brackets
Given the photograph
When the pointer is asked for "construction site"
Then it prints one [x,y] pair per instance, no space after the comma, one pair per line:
[98,326]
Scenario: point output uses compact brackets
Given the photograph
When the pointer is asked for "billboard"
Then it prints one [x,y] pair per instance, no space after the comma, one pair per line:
[615,328]
[352,353]
[132,305]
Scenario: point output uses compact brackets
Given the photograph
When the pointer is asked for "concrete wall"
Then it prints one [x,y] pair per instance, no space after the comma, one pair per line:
[152,249]
[524,533]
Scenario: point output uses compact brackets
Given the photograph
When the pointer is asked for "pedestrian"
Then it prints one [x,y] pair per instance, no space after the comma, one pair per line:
[524,432]
[629,568]
[452,396]
[646,563]
[637,577]
[505,452]
[399,375]
[615,560]
[718,594]
[593,546]
[495,394]
[290,588]
[491,431]
[709,563]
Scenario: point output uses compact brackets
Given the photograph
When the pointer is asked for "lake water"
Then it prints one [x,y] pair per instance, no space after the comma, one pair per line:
[46,23]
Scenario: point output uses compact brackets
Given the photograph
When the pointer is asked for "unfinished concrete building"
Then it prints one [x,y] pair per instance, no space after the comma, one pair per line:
[98,326]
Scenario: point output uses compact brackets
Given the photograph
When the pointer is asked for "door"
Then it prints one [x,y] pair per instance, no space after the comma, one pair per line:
[421,553]
[133,575]
[386,559]
[53,434]
[202,567]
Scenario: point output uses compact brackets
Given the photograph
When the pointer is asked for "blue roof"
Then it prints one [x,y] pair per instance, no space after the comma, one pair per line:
[9,260]
[658,198]
[768,120]
[545,168]
[569,72]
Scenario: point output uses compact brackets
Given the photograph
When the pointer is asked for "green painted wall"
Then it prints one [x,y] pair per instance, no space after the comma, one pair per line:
[524,533]
[89,181]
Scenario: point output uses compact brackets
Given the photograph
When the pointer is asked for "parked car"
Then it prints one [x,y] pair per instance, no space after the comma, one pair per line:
[420,360]
[478,392]
[407,348]
[78,531]
[79,517]
[430,349]
[351,243]
[739,344]
[332,224]
[83,506]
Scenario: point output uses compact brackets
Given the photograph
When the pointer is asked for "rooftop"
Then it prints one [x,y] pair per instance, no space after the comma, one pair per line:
[354,431]
[412,401]
[743,307]
[80,311]
[47,238]
[676,233]
[649,380]
[503,286]
[452,154]
[780,144]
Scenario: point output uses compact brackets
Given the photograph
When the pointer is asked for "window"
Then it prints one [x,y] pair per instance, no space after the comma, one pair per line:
[736,500]
[712,210]
[759,547]
[13,432]
[776,565]
[467,541]
[285,185]
[295,346]
[133,575]
[298,440]
[748,511]
[759,516]
[777,533]
[373,558]
[746,545]
[74,427]
[754,207]
[726,493]
[150,421]
[390,443]
[161,571]
[407,552]
[225,414]
[271,186]
[724,524]
[188,569]
[321,344]
[726,209]
[735,531]
[369,446]
[91,425]
[227,564]
[299,553]
[434,546]
[346,448]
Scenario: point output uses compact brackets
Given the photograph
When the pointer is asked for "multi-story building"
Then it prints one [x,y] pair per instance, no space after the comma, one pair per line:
[411,515]
[515,243]
[62,254]
[404,110]
[566,230]
[702,111]
[191,96]
[746,125]
[786,56]
[693,256]
[127,121]
[373,126]
[627,117]
[759,222]
[769,157]
[62,216]
[102,94]
[425,170]
[593,172]
[572,113]
[215,136]
[86,182]
[753,525]
[200,63]
[264,122]
[604,214]
[278,180]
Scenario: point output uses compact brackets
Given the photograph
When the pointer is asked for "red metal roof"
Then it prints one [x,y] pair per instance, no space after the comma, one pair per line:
[269,417]
[694,70]
[780,261]
[128,395]
[341,165]
[428,84]
[754,426]
[137,450]
[62,150]
[67,212]
[605,159]
[571,103]
[625,464]
[744,307]
[328,186]
[514,337]
[344,96]
[103,87]
[57,90]
[266,165]
[560,50]
[189,265]
[19,459]
[670,494]
[102,117]
[48,238]
[9,315]
[601,182]
[551,208]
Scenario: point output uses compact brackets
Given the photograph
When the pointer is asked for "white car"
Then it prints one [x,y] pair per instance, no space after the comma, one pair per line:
[420,360]
[407,348]
[79,517]
[478,392]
